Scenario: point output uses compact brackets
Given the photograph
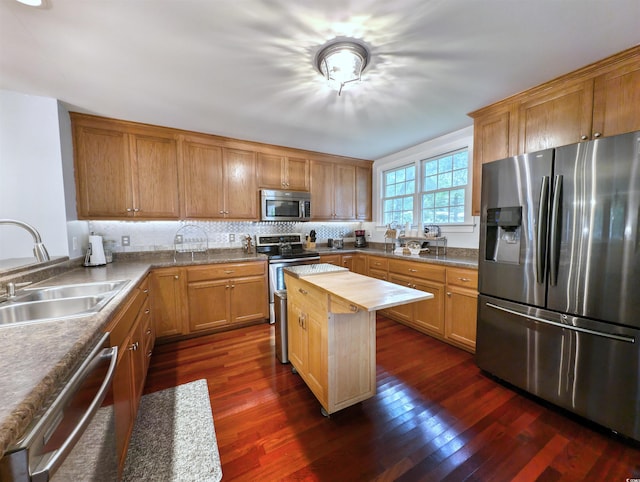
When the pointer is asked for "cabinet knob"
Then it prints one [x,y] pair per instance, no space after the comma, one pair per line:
[449,294]
[597,134]
[228,271]
[233,286]
[304,292]
[220,212]
[149,354]
[353,308]
[135,210]
[411,270]
[226,287]
[129,210]
[176,276]
[134,346]
[148,332]
[584,138]
[464,280]
[145,290]
[147,311]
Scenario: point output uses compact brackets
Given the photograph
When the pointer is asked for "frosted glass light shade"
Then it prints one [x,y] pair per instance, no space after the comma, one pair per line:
[342,62]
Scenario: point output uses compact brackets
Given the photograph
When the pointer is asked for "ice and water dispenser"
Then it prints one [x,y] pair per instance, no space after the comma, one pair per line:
[504,227]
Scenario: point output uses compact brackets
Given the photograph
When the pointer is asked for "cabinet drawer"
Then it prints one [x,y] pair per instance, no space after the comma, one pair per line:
[380,264]
[309,296]
[418,270]
[224,271]
[120,327]
[466,278]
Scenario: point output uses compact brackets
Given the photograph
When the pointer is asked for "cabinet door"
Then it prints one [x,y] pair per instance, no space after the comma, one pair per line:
[560,117]
[297,174]
[138,360]
[461,316]
[363,193]
[123,404]
[429,314]
[360,264]
[102,172]
[344,191]
[317,367]
[155,177]
[616,98]
[402,312]
[322,190]
[297,336]
[346,261]
[241,193]
[203,180]
[271,171]
[249,299]
[208,303]
[167,292]
[492,140]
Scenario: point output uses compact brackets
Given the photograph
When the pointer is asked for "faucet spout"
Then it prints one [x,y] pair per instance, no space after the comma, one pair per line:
[39,249]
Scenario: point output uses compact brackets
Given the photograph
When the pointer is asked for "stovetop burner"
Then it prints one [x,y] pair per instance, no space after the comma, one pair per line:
[283,246]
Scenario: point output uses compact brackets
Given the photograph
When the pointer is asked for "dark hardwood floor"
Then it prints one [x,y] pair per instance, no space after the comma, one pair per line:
[435,417]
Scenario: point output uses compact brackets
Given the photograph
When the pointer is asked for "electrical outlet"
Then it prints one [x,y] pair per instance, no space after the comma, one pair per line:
[126,241]
[232,238]
[178,239]
[75,243]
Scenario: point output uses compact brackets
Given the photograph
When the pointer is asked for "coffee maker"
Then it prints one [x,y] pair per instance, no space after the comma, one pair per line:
[361,240]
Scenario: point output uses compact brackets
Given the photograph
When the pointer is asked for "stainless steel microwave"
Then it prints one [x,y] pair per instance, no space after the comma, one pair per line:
[276,205]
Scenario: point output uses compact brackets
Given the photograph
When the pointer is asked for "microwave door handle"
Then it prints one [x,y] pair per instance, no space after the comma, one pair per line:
[301,209]
[554,241]
[61,453]
[541,232]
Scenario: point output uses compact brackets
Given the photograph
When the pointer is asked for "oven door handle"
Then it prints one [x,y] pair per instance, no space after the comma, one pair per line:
[54,459]
[294,260]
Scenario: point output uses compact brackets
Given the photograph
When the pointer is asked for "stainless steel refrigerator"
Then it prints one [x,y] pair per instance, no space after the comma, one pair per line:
[559,277]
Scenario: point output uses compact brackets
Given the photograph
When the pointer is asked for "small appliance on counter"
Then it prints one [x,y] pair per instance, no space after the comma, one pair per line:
[95,252]
[361,240]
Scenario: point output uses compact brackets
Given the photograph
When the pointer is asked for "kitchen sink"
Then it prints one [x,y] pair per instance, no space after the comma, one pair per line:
[58,302]
[70,291]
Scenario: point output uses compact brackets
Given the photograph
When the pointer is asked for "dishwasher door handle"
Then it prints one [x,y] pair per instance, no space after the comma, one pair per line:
[53,460]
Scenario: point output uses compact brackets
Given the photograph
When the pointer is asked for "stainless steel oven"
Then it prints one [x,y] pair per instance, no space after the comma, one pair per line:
[74,438]
[283,250]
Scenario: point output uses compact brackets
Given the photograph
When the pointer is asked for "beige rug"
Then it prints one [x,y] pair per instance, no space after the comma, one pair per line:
[174,438]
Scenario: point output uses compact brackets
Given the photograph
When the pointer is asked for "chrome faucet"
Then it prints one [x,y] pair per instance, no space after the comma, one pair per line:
[39,250]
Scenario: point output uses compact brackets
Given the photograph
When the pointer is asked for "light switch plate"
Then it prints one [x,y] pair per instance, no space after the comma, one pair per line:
[126,241]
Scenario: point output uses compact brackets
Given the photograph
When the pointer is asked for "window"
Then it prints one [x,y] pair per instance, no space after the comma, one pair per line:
[445,188]
[399,190]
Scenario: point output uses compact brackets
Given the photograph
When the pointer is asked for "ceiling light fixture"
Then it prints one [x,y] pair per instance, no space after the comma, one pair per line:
[342,62]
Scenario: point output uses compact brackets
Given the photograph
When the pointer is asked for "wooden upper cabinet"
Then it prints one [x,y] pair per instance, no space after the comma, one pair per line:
[155,176]
[560,117]
[203,178]
[123,172]
[599,100]
[103,179]
[219,182]
[616,100]
[493,138]
[363,193]
[241,193]
[282,172]
[333,191]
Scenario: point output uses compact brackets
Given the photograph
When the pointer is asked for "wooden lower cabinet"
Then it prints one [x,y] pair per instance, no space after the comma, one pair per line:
[461,307]
[331,347]
[359,264]
[331,259]
[452,312]
[206,298]
[168,286]
[132,332]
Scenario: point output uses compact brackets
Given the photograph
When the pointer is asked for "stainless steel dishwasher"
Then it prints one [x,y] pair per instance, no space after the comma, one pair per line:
[74,438]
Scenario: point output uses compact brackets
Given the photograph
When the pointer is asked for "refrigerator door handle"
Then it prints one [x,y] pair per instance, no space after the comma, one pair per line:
[554,241]
[541,238]
[626,339]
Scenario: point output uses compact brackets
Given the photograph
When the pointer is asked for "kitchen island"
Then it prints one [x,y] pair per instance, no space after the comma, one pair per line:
[332,330]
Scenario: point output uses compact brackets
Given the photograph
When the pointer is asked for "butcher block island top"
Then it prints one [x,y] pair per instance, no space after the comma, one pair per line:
[332,330]
[369,294]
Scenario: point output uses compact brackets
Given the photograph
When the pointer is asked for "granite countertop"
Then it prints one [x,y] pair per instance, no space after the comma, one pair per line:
[458,258]
[38,358]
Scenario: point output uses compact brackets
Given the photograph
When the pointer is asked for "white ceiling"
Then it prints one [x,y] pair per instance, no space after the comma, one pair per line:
[244,68]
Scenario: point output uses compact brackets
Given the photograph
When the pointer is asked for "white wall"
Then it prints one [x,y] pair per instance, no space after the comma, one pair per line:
[32,186]
[457,236]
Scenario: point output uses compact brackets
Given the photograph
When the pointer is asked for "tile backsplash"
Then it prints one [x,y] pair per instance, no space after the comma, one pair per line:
[160,235]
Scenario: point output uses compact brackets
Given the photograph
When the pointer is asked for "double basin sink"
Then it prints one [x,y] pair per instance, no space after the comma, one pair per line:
[56,302]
